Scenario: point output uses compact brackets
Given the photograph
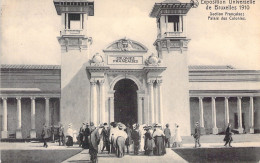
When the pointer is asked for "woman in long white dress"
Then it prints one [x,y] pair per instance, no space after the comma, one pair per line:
[142,137]
[177,137]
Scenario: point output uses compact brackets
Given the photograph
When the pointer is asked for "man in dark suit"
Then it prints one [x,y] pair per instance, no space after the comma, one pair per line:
[167,133]
[197,135]
[94,142]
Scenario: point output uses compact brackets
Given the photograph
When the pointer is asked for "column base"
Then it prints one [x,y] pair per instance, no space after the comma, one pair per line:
[4,134]
[240,130]
[202,131]
[32,133]
[18,134]
[215,131]
[251,130]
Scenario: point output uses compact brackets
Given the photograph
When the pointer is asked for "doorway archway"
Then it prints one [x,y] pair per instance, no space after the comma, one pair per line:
[125,101]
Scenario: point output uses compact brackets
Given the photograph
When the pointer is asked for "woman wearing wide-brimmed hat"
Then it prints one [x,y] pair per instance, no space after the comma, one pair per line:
[120,138]
[148,141]
[158,136]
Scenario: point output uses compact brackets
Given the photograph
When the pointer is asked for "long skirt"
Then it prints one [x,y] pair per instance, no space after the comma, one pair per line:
[120,146]
[93,154]
[148,147]
[113,145]
[69,141]
[159,146]
[85,143]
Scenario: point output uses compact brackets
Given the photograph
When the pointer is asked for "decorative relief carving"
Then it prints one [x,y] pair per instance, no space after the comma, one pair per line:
[97,60]
[153,60]
[126,45]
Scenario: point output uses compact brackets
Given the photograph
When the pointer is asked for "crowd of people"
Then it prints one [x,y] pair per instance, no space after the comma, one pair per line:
[119,139]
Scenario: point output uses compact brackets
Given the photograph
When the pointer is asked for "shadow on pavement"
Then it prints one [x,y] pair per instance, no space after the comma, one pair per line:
[235,154]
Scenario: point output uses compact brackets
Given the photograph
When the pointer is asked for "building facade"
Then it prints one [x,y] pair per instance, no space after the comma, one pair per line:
[127,84]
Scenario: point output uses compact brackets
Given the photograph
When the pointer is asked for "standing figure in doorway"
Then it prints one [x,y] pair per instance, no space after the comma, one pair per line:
[45,134]
[93,142]
[128,141]
[136,136]
[167,133]
[197,135]
[228,137]
[105,137]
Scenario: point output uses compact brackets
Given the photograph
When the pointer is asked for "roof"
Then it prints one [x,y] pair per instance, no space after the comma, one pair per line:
[52,67]
[169,7]
[48,67]
[210,67]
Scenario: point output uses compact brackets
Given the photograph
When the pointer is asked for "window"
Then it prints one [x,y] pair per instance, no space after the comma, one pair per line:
[74,21]
[174,21]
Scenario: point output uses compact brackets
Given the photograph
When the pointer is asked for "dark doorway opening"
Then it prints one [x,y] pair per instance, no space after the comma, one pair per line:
[236,120]
[125,104]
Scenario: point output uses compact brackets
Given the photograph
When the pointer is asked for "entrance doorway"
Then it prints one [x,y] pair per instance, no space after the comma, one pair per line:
[125,104]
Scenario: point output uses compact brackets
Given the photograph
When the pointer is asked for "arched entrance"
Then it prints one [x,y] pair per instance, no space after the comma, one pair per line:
[125,101]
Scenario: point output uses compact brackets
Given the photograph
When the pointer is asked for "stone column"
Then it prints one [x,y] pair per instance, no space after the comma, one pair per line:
[226,112]
[47,111]
[94,102]
[214,117]
[111,109]
[102,102]
[151,102]
[140,110]
[67,21]
[156,107]
[32,131]
[201,110]
[19,119]
[251,115]
[160,104]
[239,115]
[4,132]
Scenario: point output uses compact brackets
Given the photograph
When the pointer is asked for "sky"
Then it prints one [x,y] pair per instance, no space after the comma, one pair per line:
[29,30]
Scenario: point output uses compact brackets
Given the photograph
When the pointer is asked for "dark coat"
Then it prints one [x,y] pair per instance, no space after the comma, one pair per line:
[105,135]
[45,132]
[148,143]
[136,136]
[228,135]
[128,131]
[167,133]
[197,132]
[94,139]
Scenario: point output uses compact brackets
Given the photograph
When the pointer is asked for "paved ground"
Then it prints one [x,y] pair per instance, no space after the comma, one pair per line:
[208,151]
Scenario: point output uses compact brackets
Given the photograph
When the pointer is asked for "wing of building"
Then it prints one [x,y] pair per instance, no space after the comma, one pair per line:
[126,83]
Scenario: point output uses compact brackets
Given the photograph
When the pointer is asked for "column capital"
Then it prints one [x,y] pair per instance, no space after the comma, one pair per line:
[4,98]
[101,81]
[151,81]
[227,97]
[32,98]
[239,97]
[47,98]
[159,81]
[18,98]
[213,97]
[201,98]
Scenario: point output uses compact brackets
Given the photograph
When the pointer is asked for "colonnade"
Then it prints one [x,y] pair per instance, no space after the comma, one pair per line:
[239,114]
[18,135]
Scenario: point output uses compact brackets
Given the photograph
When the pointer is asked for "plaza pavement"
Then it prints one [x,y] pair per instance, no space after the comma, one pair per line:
[75,154]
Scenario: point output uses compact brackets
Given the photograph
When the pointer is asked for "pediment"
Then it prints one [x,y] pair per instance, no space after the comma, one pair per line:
[125,45]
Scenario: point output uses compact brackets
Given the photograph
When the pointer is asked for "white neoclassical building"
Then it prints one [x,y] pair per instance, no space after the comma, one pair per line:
[126,83]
